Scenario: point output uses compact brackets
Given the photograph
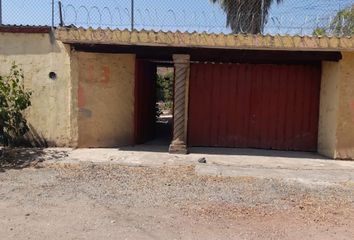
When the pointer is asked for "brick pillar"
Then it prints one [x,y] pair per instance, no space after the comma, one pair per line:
[180,106]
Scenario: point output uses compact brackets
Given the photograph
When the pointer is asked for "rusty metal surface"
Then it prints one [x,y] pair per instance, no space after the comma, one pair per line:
[24,29]
[145,99]
[254,106]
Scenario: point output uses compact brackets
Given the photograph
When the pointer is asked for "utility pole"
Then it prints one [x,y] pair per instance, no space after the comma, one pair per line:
[0,12]
[132,15]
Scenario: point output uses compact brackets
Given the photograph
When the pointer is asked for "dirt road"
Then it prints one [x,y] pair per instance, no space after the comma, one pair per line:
[95,201]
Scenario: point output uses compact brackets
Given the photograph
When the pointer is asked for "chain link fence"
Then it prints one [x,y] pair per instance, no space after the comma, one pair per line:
[292,17]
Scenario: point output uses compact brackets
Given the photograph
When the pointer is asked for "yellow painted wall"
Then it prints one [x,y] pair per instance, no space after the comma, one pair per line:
[345,120]
[328,109]
[48,116]
[105,99]
[336,125]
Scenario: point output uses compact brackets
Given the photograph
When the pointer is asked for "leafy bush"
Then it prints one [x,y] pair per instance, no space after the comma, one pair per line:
[164,95]
[165,87]
[14,99]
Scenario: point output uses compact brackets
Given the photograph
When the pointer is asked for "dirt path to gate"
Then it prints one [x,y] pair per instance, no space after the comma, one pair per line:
[111,201]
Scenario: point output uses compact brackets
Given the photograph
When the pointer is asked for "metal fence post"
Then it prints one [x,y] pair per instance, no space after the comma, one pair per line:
[262,16]
[0,12]
[61,22]
[52,13]
[132,15]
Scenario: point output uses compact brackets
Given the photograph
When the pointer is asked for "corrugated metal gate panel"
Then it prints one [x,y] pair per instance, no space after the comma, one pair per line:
[254,106]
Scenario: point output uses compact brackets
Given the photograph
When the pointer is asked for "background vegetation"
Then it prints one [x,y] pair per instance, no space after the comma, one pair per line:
[341,25]
[164,95]
[14,99]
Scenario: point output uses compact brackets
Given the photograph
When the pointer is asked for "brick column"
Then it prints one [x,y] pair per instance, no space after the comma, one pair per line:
[180,106]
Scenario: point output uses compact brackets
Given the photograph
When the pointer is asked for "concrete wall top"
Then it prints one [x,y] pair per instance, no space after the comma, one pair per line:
[203,40]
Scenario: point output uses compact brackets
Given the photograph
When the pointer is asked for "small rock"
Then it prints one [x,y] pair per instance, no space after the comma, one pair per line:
[113,221]
[202,160]
[27,214]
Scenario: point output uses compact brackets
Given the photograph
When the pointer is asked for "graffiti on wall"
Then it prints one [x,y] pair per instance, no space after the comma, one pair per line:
[94,74]
[91,75]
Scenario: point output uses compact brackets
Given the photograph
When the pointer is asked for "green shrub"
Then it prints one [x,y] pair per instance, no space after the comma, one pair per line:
[164,93]
[165,87]
[14,99]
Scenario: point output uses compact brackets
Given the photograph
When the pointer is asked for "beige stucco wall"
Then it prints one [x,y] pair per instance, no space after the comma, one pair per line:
[336,125]
[38,55]
[105,99]
[345,120]
[328,109]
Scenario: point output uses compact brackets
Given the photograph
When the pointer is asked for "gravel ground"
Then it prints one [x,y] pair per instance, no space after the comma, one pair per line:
[100,201]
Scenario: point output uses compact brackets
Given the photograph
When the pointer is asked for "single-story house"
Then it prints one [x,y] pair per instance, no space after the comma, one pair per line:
[95,88]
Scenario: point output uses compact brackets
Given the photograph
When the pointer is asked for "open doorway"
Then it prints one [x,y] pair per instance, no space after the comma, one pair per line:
[164,103]
[153,103]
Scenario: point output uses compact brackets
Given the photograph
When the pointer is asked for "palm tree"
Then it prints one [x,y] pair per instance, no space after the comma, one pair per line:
[246,16]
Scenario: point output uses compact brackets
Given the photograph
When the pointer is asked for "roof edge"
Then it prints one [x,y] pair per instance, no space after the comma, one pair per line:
[24,29]
[203,40]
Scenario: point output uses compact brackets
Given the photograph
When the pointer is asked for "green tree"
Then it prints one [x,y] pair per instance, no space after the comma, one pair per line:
[246,16]
[341,25]
[14,99]
[165,87]
[319,32]
[164,93]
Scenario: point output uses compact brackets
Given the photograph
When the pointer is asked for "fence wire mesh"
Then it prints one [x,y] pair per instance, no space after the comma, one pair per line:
[292,17]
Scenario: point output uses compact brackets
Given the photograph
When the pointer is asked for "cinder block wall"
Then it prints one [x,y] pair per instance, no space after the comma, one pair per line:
[336,125]
[37,55]
[105,98]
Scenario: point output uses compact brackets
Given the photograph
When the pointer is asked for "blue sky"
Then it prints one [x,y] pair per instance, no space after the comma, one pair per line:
[290,17]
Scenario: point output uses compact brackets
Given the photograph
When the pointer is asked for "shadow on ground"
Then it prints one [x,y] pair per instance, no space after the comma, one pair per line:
[151,146]
[255,152]
[158,147]
[19,158]
[161,140]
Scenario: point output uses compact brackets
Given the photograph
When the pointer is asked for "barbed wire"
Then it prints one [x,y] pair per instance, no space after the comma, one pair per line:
[291,17]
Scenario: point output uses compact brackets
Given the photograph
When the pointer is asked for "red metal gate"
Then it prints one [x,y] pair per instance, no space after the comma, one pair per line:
[254,106]
[145,100]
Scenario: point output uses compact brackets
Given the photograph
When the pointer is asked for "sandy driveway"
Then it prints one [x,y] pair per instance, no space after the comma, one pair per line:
[111,201]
